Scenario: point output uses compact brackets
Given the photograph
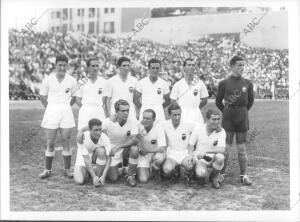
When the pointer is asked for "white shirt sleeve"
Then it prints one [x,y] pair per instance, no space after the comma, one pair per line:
[174,92]
[74,87]
[222,139]
[139,86]
[108,89]
[134,127]
[194,138]
[166,88]
[203,90]
[105,124]
[80,91]
[45,87]
[161,138]
[107,144]
[82,150]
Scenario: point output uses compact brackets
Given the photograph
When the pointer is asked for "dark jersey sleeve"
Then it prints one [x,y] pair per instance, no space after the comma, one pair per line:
[250,96]
[220,96]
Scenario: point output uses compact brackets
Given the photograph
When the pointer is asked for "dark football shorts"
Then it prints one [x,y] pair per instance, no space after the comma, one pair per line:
[235,120]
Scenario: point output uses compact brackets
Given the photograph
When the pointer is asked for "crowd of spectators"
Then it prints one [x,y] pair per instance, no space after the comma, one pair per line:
[32,56]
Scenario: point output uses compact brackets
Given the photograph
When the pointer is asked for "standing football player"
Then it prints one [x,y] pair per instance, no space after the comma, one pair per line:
[120,86]
[238,95]
[57,94]
[90,95]
[190,93]
[152,92]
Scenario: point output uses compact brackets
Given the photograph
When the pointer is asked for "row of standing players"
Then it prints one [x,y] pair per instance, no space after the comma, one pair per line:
[133,119]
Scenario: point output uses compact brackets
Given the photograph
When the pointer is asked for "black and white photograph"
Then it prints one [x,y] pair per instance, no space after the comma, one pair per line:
[159,110]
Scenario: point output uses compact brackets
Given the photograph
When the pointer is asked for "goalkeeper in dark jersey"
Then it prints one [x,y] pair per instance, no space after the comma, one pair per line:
[237,93]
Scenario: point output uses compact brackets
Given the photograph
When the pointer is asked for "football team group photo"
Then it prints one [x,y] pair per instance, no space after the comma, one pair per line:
[133,109]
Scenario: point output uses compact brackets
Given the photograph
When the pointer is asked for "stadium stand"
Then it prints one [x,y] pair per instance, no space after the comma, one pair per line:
[32,56]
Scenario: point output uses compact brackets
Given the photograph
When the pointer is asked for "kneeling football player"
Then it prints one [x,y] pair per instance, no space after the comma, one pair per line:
[152,146]
[209,140]
[177,134]
[94,149]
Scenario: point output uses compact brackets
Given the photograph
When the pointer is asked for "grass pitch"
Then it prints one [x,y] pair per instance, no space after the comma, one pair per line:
[268,167]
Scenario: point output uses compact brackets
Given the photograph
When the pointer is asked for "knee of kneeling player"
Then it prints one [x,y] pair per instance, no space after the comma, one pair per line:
[79,181]
[159,159]
[200,173]
[134,152]
[167,169]
[143,179]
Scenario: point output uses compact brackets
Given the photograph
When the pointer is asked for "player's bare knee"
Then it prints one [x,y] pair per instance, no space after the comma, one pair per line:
[200,173]
[220,157]
[167,168]
[159,159]
[241,149]
[134,152]
[143,179]
[79,181]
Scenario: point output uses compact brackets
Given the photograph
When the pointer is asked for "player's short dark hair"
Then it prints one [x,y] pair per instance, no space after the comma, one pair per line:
[211,112]
[119,103]
[88,62]
[150,111]
[122,59]
[62,58]
[154,60]
[186,60]
[173,106]
[94,122]
[235,59]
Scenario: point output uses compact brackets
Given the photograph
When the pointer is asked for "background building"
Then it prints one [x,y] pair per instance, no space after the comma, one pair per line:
[95,20]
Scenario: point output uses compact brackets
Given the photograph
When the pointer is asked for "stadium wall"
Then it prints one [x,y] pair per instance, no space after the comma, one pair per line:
[271,31]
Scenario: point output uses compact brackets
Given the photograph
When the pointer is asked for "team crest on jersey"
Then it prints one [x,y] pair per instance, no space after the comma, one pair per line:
[153,141]
[159,91]
[215,143]
[183,136]
[128,133]
[244,89]
[99,90]
[195,92]
[68,90]
[130,89]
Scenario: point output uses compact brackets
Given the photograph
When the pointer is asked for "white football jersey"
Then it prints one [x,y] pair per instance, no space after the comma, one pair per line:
[88,146]
[152,93]
[92,93]
[118,135]
[188,96]
[154,138]
[202,141]
[58,92]
[178,139]
[119,89]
